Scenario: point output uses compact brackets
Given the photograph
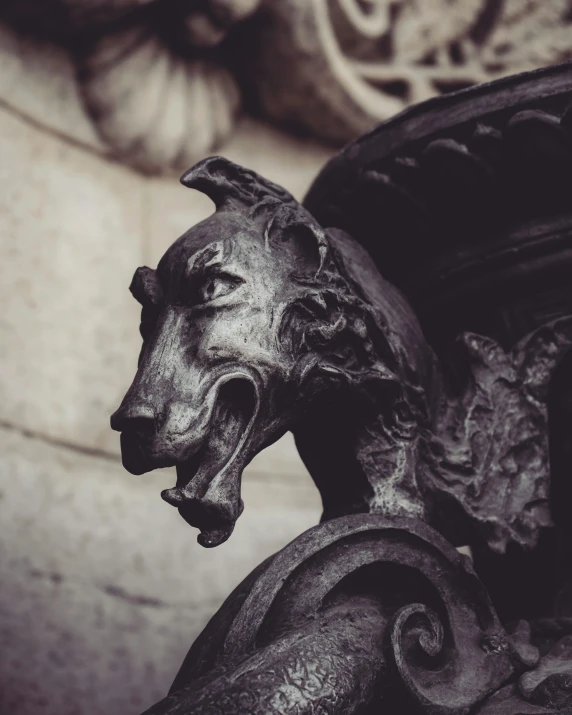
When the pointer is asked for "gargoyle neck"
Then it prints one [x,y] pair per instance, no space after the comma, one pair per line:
[360,460]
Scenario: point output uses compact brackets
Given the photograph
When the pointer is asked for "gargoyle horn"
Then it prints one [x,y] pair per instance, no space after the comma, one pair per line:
[232,187]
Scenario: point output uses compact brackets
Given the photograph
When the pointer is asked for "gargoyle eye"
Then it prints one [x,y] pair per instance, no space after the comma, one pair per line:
[216,286]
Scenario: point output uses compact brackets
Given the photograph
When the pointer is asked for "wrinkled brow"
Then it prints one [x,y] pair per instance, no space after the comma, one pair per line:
[210,256]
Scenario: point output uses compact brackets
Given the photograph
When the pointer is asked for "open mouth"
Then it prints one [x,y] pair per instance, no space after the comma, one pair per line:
[133,454]
[207,493]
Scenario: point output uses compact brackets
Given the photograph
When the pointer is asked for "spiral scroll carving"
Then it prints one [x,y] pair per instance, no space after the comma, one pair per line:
[418,638]
[415,627]
[329,621]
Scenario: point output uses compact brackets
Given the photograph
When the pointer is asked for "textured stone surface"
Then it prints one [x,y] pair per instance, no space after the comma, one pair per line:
[103,585]
[37,80]
[71,226]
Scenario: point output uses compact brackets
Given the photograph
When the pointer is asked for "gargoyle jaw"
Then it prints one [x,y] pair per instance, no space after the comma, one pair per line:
[207,493]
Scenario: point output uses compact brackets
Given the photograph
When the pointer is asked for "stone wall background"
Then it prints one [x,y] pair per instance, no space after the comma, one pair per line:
[102,585]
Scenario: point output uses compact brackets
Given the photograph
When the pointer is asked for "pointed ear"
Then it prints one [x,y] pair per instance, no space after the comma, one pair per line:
[232,187]
[145,287]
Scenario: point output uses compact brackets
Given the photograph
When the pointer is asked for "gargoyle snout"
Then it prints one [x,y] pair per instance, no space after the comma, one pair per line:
[137,417]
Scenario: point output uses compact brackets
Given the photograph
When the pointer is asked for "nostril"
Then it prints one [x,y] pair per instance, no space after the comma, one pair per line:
[140,424]
[139,417]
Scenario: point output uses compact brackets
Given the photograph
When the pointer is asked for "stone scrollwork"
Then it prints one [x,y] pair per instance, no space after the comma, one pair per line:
[163,80]
[356,62]
[330,624]
[360,61]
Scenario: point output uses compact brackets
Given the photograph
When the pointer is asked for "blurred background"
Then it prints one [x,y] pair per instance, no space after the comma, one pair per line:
[103,103]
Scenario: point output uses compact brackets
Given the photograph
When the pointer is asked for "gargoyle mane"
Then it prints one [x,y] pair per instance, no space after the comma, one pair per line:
[347,330]
[335,298]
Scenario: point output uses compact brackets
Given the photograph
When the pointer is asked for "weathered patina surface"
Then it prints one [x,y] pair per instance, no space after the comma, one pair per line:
[425,420]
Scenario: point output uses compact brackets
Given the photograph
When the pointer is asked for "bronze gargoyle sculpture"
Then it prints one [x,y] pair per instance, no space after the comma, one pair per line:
[426,421]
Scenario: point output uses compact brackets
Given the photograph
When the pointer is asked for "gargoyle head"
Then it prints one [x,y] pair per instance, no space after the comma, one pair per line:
[248,318]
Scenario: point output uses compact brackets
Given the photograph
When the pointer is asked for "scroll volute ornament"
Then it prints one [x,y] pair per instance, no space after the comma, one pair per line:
[333,620]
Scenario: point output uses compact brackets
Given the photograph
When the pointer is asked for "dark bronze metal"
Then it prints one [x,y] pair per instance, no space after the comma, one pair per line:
[432,411]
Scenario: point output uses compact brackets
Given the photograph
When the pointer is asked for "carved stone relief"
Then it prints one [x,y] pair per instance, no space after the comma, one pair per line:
[163,81]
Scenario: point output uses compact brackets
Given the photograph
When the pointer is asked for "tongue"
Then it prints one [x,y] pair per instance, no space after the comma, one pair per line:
[215,512]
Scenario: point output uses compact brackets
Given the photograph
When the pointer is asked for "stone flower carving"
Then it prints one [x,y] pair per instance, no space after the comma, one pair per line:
[157,89]
[158,109]
[151,74]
